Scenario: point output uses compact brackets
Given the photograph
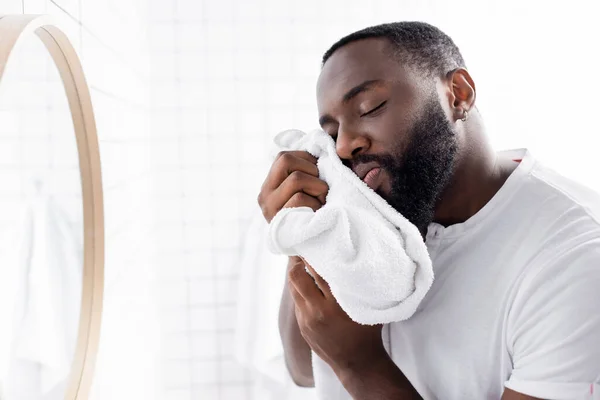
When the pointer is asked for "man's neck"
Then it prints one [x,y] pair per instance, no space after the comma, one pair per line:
[478,175]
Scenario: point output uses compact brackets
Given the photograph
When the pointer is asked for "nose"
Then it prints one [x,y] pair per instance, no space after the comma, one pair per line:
[350,144]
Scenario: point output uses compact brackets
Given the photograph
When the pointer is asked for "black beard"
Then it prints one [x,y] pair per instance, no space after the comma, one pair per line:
[420,175]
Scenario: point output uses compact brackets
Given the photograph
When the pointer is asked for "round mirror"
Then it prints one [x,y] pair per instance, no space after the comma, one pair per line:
[51,229]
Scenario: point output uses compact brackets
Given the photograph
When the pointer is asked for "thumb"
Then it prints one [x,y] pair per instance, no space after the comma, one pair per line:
[321,283]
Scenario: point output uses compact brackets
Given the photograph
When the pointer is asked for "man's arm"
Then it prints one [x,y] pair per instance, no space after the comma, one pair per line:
[296,350]
[355,352]
[511,395]
[293,181]
[383,380]
[380,380]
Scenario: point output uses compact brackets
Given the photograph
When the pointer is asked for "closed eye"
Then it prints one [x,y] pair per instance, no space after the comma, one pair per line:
[375,109]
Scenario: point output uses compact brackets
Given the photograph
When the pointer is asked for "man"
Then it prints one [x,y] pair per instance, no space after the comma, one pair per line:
[514,310]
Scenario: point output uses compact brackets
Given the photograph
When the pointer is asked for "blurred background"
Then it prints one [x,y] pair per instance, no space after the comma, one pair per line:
[188,95]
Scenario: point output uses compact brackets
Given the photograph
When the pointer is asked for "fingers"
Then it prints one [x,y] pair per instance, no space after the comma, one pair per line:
[303,284]
[288,162]
[299,181]
[303,200]
[293,172]
[295,261]
[321,283]
[296,296]
[299,153]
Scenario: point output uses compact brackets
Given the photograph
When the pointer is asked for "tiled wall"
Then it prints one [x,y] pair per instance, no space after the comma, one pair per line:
[110,37]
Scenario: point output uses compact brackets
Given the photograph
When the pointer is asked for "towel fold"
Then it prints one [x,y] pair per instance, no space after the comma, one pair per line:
[374,259]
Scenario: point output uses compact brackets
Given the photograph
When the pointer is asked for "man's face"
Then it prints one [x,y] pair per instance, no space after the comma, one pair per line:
[389,126]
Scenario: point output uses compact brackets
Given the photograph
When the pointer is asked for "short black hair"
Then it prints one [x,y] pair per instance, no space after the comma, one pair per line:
[418,44]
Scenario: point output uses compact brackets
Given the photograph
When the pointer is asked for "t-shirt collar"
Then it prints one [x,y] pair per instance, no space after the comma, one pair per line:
[526,163]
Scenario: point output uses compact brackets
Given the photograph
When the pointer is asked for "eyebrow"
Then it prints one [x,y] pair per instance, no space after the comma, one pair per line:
[352,93]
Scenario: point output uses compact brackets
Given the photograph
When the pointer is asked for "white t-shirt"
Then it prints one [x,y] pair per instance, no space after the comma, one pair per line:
[516,298]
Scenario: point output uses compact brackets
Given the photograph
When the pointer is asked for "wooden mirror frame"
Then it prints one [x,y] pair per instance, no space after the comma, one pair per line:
[13,28]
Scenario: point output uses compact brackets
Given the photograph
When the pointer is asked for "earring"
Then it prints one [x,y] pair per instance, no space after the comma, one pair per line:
[465,117]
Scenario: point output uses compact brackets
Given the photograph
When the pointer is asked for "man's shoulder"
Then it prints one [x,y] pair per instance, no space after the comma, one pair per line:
[560,194]
[566,227]
[563,227]
[563,272]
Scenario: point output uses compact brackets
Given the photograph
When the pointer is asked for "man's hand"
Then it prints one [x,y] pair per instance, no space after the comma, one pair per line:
[293,181]
[339,341]
[355,352]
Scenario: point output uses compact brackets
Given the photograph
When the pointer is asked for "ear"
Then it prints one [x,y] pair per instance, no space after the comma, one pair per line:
[461,93]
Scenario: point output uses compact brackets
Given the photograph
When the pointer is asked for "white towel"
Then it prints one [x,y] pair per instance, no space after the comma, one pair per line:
[46,251]
[373,258]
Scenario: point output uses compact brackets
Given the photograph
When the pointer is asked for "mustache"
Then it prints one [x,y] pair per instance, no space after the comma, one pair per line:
[386,161]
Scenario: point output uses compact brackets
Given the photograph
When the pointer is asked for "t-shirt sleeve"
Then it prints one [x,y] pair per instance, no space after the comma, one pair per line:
[553,329]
